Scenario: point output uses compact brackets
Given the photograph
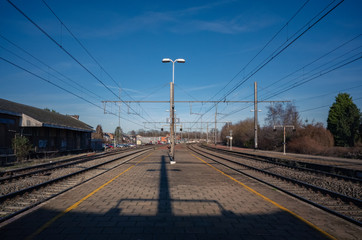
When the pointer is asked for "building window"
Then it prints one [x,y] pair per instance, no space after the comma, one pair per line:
[7,121]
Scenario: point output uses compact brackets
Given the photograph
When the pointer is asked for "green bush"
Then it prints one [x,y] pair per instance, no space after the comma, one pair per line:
[21,147]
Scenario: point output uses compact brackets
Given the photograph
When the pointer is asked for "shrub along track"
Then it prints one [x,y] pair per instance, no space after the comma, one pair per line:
[338,195]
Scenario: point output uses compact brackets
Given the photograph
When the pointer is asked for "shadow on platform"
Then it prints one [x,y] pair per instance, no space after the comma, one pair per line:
[165,223]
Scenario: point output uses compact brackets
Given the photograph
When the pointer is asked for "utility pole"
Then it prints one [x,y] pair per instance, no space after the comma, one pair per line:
[207,133]
[215,124]
[172,101]
[119,118]
[172,125]
[255,116]
[231,140]
[202,130]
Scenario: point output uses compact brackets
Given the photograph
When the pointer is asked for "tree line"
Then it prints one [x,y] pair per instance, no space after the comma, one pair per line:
[342,137]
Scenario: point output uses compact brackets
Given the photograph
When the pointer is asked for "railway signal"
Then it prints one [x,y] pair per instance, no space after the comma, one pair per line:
[284,127]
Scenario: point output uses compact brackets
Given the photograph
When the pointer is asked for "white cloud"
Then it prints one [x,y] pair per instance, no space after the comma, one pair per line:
[182,21]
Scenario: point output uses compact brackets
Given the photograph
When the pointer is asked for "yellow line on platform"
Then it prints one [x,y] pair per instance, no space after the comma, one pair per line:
[268,200]
[75,205]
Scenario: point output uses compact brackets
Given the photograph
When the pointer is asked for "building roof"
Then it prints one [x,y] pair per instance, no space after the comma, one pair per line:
[110,135]
[43,117]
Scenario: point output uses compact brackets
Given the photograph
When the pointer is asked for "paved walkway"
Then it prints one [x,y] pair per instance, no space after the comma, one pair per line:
[156,200]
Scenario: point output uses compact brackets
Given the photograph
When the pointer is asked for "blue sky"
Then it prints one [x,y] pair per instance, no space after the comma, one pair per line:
[220,41]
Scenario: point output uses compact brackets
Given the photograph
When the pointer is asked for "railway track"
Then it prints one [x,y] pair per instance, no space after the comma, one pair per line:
[332,168]
[37,188]
[14,174]
[338,195]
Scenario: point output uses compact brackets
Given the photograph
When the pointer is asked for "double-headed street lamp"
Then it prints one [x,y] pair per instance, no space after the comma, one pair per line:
[172,106]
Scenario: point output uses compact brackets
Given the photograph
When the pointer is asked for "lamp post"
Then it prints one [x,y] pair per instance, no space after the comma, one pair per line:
[172,106]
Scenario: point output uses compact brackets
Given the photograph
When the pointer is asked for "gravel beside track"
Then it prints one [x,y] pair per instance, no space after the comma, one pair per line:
[344,163]
[56,182]
[340,185]
[12,186]
[317,198]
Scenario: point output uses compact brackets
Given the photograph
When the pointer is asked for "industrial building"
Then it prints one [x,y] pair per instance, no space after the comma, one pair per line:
[47,131]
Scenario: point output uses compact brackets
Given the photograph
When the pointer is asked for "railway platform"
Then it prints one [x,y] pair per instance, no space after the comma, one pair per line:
[148,198]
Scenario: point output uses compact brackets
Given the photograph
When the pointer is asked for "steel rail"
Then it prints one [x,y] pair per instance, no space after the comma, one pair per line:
[309,167]
[332,194]
[47,183]
[52,166]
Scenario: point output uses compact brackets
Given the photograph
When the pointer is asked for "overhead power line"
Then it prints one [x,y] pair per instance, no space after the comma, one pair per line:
[321,73]
[261,50]
[275,54]
[50,82]
[88,52]
[305,75]
[81,88]
[80,43]
[40,68]
[60,87]
[329,93]
[280,49]
[61,47]
[69,54]
[324,106]
[312,62]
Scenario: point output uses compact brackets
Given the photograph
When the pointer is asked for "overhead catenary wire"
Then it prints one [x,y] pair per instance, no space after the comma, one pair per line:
[308,24]
[61,47]
[16,55]
[282,48]
[324,106]
[275,35]
[80,43]
[134,105]
[88,52]
[153,92]
[326,71]
[310,63]
[46,80]
[60,87]
[306,80]
[56,77]
[277,53]
[49,67]
[304,76]
[70,55]
[329,93]
[261,50]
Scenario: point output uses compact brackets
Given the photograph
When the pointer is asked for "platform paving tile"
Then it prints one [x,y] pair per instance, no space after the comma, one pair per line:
[157,200]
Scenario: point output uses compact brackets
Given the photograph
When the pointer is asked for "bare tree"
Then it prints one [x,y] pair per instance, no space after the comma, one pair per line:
[279,115]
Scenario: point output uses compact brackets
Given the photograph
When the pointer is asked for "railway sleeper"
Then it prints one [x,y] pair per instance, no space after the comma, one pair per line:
[4,213]
[351,213]
[23,203]
[14,208]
